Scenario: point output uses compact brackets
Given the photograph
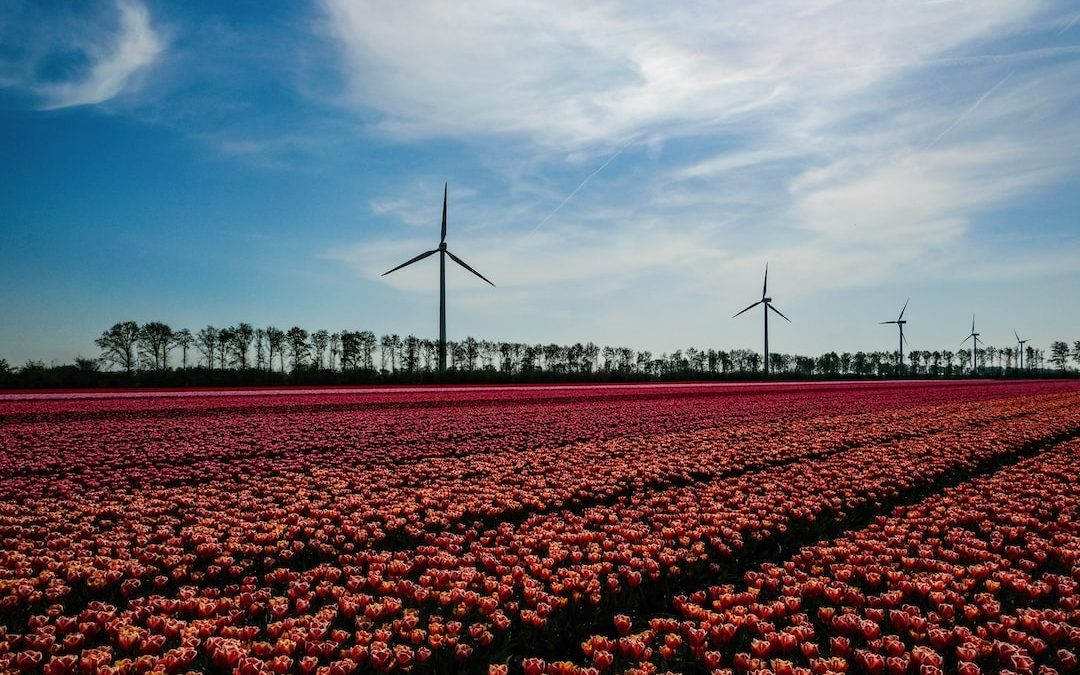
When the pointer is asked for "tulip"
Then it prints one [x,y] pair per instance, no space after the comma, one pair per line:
[603,659]
[533,666]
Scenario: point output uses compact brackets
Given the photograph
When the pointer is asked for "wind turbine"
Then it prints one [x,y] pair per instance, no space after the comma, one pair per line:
[974,344]
[1020,348]
[443,252]
[767,302]
[900,323]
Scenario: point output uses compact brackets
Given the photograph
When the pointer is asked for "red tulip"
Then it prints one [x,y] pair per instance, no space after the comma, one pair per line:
[533,666]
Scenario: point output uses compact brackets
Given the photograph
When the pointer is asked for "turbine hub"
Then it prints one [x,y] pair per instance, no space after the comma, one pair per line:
[442,246]
[766,300]
[901,322]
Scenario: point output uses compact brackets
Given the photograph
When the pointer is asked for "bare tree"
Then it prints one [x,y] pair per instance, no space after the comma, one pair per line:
[260,348]
[1059,354]
[225,345]
[207,343]
[411,354]
[118,345]
[396,345]
[319,340]
[335,349]
[155,341]
[183,339]
[386,345]
[275,341]
[350,349]
[298,346]
[242,335]
[368,342]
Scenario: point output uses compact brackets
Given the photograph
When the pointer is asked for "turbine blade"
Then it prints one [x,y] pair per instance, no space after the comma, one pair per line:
[902,310]
[750,307]
[409,262]
[445,185]
[778,312]
[973,324]
[884,322]
[462,263]
[967,338]
[765,286]
[1016,334]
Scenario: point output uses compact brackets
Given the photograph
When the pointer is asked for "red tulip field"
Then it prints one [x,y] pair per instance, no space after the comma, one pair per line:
[914,527]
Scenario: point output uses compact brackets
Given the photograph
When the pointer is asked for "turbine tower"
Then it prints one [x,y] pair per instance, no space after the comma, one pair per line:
[900,323]
[975,343]
[766,301]
[1020,348]
[443,252]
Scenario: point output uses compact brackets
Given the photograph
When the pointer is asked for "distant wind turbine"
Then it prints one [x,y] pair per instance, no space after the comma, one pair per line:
[900,323]
[1019,342]
[767,302]
[975,343]
[443,252]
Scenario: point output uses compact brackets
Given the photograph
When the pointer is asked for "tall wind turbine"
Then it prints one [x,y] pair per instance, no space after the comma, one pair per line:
[443,252]
[900,322]
[1020,347]
[766,301]
[975,343]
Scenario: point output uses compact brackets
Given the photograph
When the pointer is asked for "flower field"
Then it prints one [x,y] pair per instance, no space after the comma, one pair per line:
[843,527]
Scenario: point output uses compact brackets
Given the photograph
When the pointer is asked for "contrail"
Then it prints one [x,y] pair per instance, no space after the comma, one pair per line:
[1069,25]
[967,112]
[581,185]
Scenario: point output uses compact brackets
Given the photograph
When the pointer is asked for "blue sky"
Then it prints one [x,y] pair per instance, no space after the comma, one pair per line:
[621,171]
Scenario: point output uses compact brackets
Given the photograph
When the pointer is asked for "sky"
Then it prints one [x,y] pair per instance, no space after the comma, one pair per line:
[622,171]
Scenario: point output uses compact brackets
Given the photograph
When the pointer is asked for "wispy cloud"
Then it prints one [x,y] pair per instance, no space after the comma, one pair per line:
[566,75]
[136,46]
[108,52]
[794,131]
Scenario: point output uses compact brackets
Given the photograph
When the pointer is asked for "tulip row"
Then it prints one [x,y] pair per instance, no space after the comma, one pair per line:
[138,443]
[456,596]
[216,533]
[983,578]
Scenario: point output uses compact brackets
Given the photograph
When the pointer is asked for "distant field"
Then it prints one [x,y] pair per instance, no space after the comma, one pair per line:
[872,527]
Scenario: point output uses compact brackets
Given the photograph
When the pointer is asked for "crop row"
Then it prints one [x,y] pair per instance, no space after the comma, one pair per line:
[138,445]
[106,404]
[469,597]
[983,578]
[97,544]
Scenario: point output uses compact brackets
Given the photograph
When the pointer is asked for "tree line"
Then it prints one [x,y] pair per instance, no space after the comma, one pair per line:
[154,353]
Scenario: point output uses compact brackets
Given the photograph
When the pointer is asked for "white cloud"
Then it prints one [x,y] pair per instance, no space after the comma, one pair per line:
[116,58]
[849,143]
[565,75]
